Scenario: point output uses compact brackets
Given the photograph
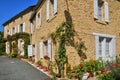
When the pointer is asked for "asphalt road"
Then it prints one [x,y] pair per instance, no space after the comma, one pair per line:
[14,69]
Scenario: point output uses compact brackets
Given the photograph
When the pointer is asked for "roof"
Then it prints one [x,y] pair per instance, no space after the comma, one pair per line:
[20,14]
[36,7]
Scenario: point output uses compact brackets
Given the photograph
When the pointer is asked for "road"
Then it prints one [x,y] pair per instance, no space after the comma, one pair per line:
[14,69]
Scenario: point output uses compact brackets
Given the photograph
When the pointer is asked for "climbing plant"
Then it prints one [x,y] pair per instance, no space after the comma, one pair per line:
[15,37]
[65,34]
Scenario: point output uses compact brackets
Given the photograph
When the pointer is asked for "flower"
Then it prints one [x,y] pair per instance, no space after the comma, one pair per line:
[46,57]
[81,65]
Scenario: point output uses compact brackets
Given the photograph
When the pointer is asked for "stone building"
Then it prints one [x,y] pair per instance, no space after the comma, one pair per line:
[95,21]
[18,24]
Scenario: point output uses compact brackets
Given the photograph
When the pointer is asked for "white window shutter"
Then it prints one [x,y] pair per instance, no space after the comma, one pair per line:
[29,50]
[55,7]
[96,9]
[36,21]
[23,27]
[106,12]
[18,44]
[11,31]
[41,49]
[47,9]
[18,28]
[31,27]
[40,18]
[49,49]
[97,46]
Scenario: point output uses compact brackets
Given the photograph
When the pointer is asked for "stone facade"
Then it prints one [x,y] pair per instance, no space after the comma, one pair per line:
[17,24]
[100,33]
[81,14]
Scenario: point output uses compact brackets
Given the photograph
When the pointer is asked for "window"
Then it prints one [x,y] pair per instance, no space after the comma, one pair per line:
[101,11]
[45,49]
[39,18]
[22,27]
[50,11]
[35,49]
[8,32]
[14,31]
[105,47]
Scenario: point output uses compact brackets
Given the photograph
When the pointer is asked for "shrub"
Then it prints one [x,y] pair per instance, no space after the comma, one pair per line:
[39,62]
[13,55]
[2,53]
[108,76]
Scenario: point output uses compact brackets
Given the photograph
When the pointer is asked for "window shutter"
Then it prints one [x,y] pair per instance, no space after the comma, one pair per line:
[36,21]
[49,49]
[18,44]
[40,18]
[47,9]
[55,7]
[23,27]
[18,28]
[41,49]
[97,46]
[96,9]
[31,27]
[106,12]
[29,50]
[11,31]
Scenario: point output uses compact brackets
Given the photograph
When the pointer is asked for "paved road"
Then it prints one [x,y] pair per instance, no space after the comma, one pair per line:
[14,69]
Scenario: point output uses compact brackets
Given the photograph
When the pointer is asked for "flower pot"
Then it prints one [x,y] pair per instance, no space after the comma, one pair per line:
[49,72]
[73,78]
[90,75]
[103,72]
[114,65]
[40,67]
[118,65]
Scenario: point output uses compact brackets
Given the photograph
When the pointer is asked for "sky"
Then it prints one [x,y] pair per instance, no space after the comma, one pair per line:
[9,8]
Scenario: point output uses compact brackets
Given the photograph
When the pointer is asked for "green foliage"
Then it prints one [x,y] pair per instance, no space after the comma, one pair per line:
[64,34]
[81,50]
[13,54]
[108,76]
[39,62]
[2,44]
[15,37]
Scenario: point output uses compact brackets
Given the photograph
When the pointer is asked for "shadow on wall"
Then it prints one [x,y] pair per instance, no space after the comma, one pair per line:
[68,16]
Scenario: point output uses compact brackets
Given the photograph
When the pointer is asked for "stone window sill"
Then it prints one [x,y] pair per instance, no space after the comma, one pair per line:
[51,18]
[101,22]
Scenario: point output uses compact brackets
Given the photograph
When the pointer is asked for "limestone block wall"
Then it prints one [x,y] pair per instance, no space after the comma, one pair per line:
[81,14]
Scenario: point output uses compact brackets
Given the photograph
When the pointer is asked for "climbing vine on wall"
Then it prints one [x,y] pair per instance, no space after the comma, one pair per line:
[65,34]
[15,37]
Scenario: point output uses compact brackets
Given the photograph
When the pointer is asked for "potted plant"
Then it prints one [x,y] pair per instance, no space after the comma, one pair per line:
[39,63]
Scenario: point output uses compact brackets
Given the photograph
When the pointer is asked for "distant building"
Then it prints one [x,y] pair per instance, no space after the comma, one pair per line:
[18,24]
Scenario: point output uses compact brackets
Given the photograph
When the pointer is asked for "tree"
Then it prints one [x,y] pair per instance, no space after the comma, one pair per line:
[2,44]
